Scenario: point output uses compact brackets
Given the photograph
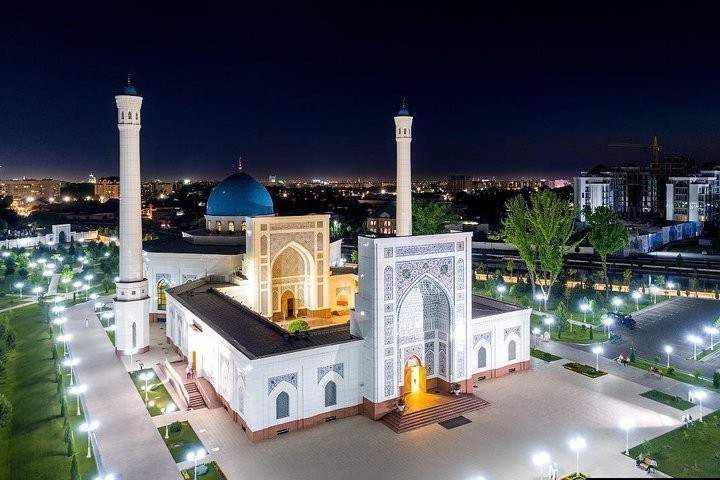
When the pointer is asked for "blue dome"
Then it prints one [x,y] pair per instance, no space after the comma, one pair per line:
[239,195]
[129,90]
[403,112]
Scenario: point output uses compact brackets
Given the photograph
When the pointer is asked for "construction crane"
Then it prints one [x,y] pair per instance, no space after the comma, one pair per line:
[654,147]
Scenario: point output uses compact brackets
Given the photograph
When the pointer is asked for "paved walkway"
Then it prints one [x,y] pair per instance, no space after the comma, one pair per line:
[127,440]
[633,374]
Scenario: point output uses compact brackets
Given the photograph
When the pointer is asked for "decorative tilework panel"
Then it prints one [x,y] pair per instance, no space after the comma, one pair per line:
[263,227]
[406,273]
[294,225]
[411,339]
[508,331]
[430,358]
[460,275]
[388,282]
[273,382]
[460,246]
[442,335]
[388,308]
[461,364]
[389,378]
[430,335]
[460,297]
[388,252]
[319,224]
[338,368]
[487,336]
[279,240]
[187,277]
[443,358]
[416,350]
[388,329]
[430,249]
[389,351]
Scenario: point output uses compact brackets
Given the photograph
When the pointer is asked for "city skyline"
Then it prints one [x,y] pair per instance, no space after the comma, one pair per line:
[537,93]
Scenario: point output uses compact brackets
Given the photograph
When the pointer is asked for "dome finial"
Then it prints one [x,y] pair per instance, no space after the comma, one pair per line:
[404,104]
[130,83]
[239,164]
[403,110]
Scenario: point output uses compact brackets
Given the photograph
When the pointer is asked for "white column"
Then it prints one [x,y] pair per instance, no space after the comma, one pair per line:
[403,138]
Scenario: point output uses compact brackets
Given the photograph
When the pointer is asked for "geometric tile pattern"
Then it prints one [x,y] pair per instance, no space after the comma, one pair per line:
[508,331]
[388,377]
[273,382]
[337,368]
[487,336]
[430,249]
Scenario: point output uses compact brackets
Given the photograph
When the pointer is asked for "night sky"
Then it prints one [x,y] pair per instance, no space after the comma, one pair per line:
[310,91]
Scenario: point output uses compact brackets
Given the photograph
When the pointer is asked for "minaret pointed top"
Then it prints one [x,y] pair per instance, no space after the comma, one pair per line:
[403,111]
[128,79]
[239,164]
[129,89]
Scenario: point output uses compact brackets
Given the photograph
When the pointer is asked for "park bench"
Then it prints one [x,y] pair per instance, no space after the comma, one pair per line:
[645,463]
[655,371]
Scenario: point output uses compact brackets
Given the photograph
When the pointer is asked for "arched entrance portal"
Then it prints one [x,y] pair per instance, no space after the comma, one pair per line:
[415,376]
[287,304]
[62,237]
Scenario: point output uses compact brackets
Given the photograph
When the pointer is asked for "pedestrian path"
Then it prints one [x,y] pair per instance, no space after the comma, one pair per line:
[127,440]
[54,282]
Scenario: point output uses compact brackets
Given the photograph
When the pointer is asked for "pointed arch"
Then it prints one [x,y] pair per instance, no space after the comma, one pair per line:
[330,394]
[282,406]
[512,350]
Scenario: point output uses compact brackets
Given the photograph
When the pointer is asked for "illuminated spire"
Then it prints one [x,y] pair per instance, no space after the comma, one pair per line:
[239,164]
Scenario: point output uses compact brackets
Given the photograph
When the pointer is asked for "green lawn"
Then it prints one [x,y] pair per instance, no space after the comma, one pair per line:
[583,369]
[158,398]
[680,376]
[12,300]
[32,446]
[686,452]
[707,351]
[181,443]
[214,472]
[548,357]
[577,335]
[670,400]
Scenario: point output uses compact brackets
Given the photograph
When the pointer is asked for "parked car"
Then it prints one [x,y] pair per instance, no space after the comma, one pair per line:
[623,319]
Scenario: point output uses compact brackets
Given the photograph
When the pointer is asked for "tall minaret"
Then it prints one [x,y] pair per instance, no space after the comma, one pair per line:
[131,298]
[403,137]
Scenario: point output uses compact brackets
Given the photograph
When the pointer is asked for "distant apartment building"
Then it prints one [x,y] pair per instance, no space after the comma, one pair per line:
[28,190]
[693,198]
[382,222]
[661,170]
[459,183]
[156,189]
[628,191]
[107,188]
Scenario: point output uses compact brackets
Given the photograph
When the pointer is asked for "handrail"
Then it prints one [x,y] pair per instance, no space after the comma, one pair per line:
[174,376]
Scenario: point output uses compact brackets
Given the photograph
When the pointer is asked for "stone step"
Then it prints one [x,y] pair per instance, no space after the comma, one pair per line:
[406,421]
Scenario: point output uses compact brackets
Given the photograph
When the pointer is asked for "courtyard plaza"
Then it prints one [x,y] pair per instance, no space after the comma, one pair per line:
[533,411]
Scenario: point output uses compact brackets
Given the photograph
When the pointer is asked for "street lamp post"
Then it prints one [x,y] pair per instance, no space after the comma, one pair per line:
[607,321]
[37,291]
[71,362]
[695,340]
[548,321]
[668,350]
[540,460]
[539,297]
[194,457]
[146,376]
[584,307]
[711,331]
[77,390]
[166,410]
[627,424]
[597,350]
[501,289]
[653,292]
[535,332]
[576,444]
[89,428]
[19,286]
[64,339]
[700,395]
[636,296]
[616,303]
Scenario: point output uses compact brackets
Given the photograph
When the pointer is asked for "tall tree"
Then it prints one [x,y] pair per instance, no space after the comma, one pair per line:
[607,235]
[541,230]
[431,217]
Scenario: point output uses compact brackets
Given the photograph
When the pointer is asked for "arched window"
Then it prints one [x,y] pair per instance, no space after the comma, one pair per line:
[209,225]
[404,131]
[282,406]
[482,357]
[162,284]
[129,115]
[231,226]
[330,394]
[512,350]
[244,226]
[122,115]
[218,226]
[137,116]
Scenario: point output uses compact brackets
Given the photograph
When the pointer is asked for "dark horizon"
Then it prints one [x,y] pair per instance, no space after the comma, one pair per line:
[310,91]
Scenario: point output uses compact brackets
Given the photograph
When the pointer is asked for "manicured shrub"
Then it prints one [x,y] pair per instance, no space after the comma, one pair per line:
[632,354]
[656,360]
[175,427]
[63,408]
[5,411]
[670,371]
[67,433]
[697,374]
[716,379]
[74,474]
[71,446]
[298,326]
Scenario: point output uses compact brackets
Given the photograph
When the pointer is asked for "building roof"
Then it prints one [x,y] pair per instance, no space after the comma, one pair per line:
[180,245]
[239,195]
[252,334]
[486,306]
[390,210]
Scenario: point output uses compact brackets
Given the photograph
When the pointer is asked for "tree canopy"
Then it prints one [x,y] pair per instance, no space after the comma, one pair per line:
[431,217]
[607,235]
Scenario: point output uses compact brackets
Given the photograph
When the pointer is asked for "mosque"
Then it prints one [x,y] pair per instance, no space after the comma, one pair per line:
[403,324]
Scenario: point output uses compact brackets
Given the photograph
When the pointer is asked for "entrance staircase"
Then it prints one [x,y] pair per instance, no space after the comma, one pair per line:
[196,399]
[450,408]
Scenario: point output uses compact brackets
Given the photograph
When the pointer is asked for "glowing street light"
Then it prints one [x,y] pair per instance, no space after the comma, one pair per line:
[71,362]
[548,321]
[89,428]
[540,460]
[670,285]
[636,296]
[712,331]
[65,281]
[166,410]
[19,286]
[627,424]
[501,289]
[597,350]
[116,279]
[616,302]
[65,339]
[653,292]
[194,457]
[576,444]
[607,321]
[535,332]
[700,395]
[5,254]
[77,284]
[539,297]
[77,390]
[695,340]
[37,291]
[668,350]
[146,376]
[584,307]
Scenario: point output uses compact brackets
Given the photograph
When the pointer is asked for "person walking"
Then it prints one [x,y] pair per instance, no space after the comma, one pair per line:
[87,322]
[187,371]
[652,467]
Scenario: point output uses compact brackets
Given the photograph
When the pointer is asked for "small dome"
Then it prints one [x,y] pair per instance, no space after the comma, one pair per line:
[239,195]
[403,112]
[129,90]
